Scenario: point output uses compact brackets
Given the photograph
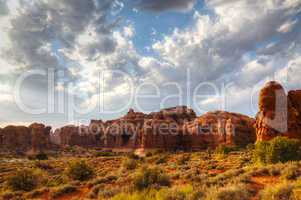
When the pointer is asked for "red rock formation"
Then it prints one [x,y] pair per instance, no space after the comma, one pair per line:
[295,99]
[76,136]
[279,114]
[134,130]
[215,128]
[16,138]
[173,128]
[36,137]
[40,137]
[1,138]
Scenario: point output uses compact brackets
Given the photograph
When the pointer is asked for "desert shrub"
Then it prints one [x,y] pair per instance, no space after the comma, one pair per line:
[105,154]
[149,177]
[57,180]
[144,195]
[108,193]
[93,194]
[162,159]
[250,147]
[275,170]
[80,171]
[23,180]
[183,159]
[291,172]
[149,154]
[66,189]
[280,149]
[42,156]
[263,171]
[130,164]
[12,196]
[106,180]
[282,191]
[228,175]
[36,193]
[224,150]
[168,194]
[43,165]
[231,192]
[158,151]
[133,156]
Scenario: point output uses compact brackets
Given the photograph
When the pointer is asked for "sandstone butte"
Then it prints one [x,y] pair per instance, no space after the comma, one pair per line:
[279,113]
[172,128]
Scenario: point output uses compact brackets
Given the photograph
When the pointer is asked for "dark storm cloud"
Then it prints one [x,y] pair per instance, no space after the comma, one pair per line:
[163,5]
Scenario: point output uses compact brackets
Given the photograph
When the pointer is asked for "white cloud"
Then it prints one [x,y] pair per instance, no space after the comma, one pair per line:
[287,26]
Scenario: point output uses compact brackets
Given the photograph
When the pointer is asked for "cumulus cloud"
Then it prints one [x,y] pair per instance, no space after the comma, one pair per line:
[239,43]
[159,5]
[42,27]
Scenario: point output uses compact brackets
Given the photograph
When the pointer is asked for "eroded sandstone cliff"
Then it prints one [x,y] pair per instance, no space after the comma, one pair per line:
[279,113]
[34,138]
[172,128]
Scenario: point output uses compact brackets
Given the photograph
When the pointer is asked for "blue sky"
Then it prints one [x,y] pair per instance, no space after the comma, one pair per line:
[71,61]
[151,25]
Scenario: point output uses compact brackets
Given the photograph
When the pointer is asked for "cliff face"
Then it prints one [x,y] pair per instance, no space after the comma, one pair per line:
[279,114]
[76,136]
[36,137]
[173,128]
[215,128]
[134,130]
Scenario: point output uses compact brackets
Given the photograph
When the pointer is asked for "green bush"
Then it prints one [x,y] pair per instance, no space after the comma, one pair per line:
[224,150]
[42,156]
[150,177]
[280,149]
[80,171]
[23,180]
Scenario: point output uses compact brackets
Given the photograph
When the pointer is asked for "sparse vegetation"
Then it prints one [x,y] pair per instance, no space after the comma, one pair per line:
[224,150]
[23,180]
[80,171]
[161,176]
[279,149]
[63,190]
[150,177]
[283,191]
[42,156]
[232,192]
[130,164]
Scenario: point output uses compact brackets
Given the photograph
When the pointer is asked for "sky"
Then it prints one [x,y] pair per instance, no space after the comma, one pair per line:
[69,61]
